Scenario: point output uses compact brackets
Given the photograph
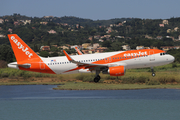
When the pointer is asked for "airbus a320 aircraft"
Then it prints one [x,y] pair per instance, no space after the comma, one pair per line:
[113,63]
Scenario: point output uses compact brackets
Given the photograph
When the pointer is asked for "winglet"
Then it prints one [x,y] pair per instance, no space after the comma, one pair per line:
[67,55]
[70,59]
[79,52]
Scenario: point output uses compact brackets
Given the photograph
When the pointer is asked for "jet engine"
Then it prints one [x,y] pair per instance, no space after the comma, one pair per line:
[115,71]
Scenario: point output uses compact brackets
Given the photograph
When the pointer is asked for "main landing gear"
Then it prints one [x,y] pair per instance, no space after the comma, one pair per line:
[97,78]
[153,74]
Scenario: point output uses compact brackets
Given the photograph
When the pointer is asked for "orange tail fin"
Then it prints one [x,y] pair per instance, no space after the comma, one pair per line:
[21,50]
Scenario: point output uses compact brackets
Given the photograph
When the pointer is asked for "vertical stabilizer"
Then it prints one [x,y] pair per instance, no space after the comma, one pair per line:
[21,50]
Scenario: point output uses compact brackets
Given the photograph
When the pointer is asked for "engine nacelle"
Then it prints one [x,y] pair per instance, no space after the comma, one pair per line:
[115,71]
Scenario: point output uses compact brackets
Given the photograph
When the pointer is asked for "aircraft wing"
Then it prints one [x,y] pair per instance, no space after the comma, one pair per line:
[90,66]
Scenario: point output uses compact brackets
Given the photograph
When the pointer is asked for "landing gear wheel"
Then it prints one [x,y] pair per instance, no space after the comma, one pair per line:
[153,74]
[97,78]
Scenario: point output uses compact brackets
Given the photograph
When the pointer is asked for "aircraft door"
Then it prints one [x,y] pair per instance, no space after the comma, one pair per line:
[151,56]
[42,65]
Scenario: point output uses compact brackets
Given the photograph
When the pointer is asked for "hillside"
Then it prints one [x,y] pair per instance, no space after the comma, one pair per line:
[69,30]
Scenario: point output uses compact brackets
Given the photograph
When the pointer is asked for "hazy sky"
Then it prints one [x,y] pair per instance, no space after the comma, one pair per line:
[93,9]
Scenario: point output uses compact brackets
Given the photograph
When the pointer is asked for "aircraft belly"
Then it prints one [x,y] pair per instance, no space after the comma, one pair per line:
[61,69]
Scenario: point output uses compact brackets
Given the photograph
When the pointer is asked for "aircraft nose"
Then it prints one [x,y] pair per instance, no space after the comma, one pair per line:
[172,58]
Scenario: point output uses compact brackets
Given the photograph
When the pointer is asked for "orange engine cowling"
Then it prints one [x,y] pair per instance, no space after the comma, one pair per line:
[117,71]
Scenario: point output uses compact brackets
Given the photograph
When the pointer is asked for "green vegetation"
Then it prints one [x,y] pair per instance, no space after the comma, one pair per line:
[100,86]
[166,77]
[72,30]
[14,73]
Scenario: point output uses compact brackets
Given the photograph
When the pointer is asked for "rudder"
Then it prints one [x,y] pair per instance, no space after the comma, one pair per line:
[21,50]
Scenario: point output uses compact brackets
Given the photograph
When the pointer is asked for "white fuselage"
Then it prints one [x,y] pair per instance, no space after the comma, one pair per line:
[61,64]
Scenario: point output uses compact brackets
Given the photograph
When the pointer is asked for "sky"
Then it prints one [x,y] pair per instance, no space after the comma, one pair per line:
[93,9]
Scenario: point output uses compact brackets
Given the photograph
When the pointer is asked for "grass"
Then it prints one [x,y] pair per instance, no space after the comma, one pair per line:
[167,76]
[102,86]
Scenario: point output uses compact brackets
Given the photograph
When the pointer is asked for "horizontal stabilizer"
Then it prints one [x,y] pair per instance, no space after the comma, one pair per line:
[15,65]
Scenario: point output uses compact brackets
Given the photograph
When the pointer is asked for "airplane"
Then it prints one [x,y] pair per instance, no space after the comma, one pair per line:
[113,63]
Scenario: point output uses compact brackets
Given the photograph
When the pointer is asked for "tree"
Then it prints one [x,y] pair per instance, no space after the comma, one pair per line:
[106,44]
[6,53]
[36,48]
[116,46]
[44,54]
[54,54]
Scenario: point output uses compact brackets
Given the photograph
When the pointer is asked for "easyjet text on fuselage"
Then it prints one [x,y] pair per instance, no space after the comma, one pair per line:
[135,54]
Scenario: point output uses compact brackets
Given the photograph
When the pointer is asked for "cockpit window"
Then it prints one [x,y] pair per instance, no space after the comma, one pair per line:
[163,54]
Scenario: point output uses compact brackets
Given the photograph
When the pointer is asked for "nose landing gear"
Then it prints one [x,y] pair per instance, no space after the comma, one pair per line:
[153,74]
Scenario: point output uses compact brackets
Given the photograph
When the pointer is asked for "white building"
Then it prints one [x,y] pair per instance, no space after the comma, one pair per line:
[1,21]
[139,47]
[126,47]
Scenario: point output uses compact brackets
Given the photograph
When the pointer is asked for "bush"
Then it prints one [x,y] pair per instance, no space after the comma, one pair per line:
[38,75]
[153,82]
[61,78]
[80,77]
[88,79]
[25,76]
[110,77]
[5,74]
[174,65]
[164,80]
[128,79]
[141,79]
[3,64]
